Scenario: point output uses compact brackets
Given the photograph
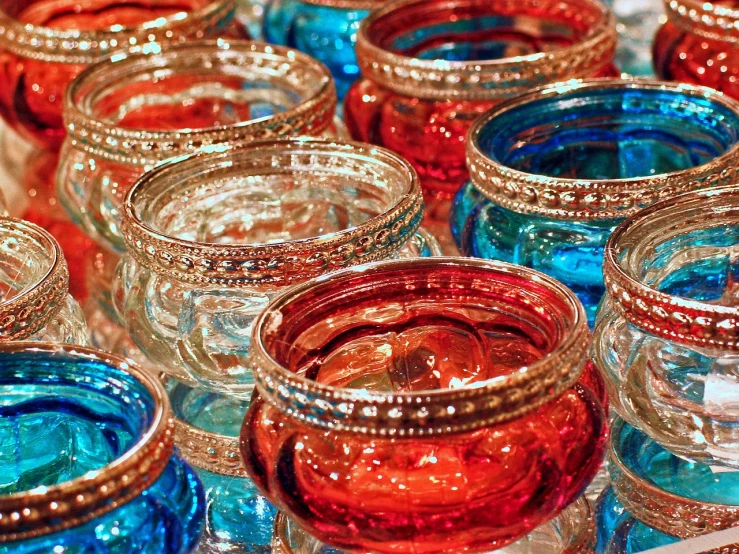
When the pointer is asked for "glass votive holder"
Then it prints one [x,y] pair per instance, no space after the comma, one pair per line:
[44,44]
[430,67]
[666,332]
[213,237]
[658,498]
[34,284]
[88,462]
[571,532]
[423,405]
[637,21]
[699,44]
[555,171]
[325,29]
[129,113]
[238,517]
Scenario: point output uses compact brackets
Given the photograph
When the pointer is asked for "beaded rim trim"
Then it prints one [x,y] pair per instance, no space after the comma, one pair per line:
[655,507]
[587,199]
[579,529]
[210,451]
[671,317]
[58,507]
[77,47]
[285,263]
[27,313]
[705,19]
[423,413]
[106,140]
[482,79]
[348,4]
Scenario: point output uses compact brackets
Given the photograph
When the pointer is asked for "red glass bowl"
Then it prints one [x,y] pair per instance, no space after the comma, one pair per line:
[423,406]
[44,44]
[699,44]
[430,67]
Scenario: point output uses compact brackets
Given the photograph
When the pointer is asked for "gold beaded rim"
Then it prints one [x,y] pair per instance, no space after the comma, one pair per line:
[29,312]
[66,505]
[77,47]
[655,507]
[674,318]
[592,199]
[347,4]
[210,451]
[106,140]
[705,19]
[430,412]
[279,264]
[482,79]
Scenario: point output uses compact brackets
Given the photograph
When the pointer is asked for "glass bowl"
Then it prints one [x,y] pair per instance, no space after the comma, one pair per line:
[555,171]
[133,111]
[571,532]
[213,237]
[430,67]
[44,44]
[34,283]
[89,462]
[427,405]
[324,29]
[666,332]
[699,44]
[658,498]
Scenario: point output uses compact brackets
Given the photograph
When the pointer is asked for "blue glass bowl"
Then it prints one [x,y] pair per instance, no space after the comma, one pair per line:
[238,518]
[554,171]
[325,29]
[658,498]
[86,457]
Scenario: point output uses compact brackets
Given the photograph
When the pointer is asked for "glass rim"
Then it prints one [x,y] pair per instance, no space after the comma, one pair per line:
[206,450]
[423,413]
[705,19]
[28,312]
[100,491]
[275,265]
[581,538]
[665,510]
[590,199]
[674,318]
[144,147]
[481,79]
[73,46]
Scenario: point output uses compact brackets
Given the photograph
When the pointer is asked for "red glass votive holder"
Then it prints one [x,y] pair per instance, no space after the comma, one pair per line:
[423,406]
[430,67]
[44,44]
[699,44]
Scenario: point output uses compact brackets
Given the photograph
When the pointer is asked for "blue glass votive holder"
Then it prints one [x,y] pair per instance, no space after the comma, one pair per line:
[657,498]
[554,171]
[87,457]
[238,517]
[324,29]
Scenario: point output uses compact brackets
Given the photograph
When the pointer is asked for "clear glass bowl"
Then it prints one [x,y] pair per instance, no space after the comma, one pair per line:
[129,113]
[325,29]
[666,332]
[213,237]
[426,405]
[88,460]
[658,498]
[571,532]
[34,283]
[430,67]
[699,44]
[44,44]
[555,171]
